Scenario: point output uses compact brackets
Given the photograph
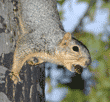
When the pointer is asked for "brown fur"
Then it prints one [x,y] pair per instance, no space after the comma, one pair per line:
[63,54]
[53,47]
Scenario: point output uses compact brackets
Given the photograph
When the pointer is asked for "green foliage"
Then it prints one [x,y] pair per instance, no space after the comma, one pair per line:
[60,1]
[106,1]
[106,5]
[48,80]
[74,95]
[60,14]
[88,1]
[92,12]
[92,8]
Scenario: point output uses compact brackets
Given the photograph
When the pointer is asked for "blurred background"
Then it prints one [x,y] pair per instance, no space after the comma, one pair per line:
[89,22]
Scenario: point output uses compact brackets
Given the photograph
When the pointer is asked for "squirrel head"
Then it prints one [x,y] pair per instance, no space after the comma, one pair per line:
[73,54]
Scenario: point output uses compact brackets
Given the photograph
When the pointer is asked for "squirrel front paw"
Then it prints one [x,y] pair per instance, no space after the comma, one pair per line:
[15,77]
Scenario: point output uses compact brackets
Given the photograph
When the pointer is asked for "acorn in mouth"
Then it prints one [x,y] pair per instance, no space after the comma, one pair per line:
[78,69]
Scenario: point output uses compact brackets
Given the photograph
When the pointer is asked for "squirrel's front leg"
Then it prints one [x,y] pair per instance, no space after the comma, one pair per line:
[17,65]
[18,62]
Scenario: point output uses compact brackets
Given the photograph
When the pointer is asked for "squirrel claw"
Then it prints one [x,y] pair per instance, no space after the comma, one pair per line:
[15,78]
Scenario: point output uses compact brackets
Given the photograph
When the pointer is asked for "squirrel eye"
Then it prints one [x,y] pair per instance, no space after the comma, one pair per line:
[75,48]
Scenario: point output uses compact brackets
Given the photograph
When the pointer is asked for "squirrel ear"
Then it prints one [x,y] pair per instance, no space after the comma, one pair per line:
[66,39]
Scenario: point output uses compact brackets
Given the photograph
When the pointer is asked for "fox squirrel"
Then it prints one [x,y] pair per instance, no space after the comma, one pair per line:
[65,50]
